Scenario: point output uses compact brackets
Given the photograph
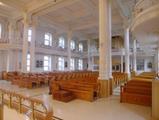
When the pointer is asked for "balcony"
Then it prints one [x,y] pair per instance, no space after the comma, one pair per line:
[121,51]
[142,5]
[4,41]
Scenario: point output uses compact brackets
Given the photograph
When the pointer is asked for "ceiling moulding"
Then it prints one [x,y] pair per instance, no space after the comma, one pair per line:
[91,8]
[5,14]
[14,4]
[85,26]
[121,8]
[47,22]
[49,6]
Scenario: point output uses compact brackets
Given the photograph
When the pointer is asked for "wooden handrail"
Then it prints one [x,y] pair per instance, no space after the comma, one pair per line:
[13,99]
[1,111]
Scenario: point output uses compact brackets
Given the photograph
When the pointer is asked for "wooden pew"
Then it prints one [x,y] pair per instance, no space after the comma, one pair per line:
[137,92]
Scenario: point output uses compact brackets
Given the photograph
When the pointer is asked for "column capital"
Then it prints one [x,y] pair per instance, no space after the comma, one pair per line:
[30,19]
[69,33]
[26,18]
[34,20]
[126,26]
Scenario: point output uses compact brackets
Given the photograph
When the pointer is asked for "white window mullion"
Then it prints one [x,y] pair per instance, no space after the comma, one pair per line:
[48,39]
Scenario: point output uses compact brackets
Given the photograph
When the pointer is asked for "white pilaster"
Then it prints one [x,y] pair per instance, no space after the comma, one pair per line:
[32,46]
[11,32]
[110,40]
[92,63]
[69,36]
[127,54]
[8,61]
[54,62]
[134,56]
[122,70]
[104,39]
[89,56]
[25,44]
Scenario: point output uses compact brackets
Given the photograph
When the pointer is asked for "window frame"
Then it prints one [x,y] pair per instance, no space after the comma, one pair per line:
[29,35]
[72,45]
[80,64]
[61,64]
[48,65]
[28,62]
[49,40]
[61,42]
[80,47]
[72,64]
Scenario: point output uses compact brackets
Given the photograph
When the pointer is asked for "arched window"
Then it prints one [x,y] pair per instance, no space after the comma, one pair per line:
[61,65]
[47,63]
[80,64]
[48,39]
[80,47]
[72,64]
[72,45]
[29,35]
[61,42]
[28,62]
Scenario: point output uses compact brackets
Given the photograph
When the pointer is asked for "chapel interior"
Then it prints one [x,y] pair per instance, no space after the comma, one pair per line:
[79,60]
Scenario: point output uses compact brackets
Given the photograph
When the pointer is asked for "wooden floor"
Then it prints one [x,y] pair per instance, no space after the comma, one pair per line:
[102,109]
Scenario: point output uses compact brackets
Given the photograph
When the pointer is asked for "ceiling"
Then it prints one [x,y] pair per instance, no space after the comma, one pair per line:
[81,16]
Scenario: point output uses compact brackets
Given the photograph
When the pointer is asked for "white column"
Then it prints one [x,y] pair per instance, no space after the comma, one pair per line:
[54,63]
[11,36]
[16,55]
[11,60]
[89,56]
[104,40]
[134,56]
[127,54]
[92,62]
[122,70]
[8,60]
[69,36]
[25,44]
[32,47]
[110,40]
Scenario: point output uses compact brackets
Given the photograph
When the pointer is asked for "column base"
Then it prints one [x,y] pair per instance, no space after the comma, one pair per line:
[105,88]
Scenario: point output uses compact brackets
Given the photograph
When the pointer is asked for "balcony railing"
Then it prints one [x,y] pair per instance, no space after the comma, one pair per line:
[120,51]
[2,41]
[142,5]
[34,109]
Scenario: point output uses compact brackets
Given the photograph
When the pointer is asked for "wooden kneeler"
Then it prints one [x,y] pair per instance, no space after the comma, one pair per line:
[63,95]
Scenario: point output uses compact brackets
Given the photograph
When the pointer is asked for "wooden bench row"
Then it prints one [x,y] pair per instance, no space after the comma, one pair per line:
[137,92]
[30,81]
[80,90]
